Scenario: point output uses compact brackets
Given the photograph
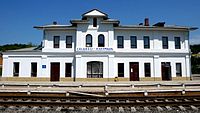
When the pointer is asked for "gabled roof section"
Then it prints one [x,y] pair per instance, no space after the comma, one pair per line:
[52,26]
[94,13]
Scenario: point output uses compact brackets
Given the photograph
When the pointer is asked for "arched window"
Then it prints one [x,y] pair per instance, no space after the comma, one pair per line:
[101,40]
[94,69]
[88,40]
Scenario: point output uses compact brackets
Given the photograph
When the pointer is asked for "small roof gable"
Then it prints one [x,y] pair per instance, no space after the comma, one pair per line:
[94,12]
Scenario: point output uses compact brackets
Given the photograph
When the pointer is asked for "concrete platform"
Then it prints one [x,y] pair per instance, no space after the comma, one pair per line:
[195,77]
[103,87]
[96,83]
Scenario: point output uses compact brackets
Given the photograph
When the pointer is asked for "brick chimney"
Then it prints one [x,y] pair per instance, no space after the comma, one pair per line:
[146,22]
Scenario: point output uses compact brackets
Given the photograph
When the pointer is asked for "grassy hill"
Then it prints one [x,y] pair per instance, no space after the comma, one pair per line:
[6,47]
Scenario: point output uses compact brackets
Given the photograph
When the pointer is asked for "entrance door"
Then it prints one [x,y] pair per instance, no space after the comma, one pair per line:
[134,71]
[55,71]
[166,71]
[68,69]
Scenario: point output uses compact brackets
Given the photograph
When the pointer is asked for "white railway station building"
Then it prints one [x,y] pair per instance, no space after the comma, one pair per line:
[96,48]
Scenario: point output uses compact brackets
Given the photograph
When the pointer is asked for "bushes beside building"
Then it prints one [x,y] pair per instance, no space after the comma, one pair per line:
[195,59]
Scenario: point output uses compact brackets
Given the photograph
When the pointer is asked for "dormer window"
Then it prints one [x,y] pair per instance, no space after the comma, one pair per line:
[94,22]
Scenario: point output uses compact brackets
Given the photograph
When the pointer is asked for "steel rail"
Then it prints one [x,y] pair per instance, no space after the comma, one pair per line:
[88,101]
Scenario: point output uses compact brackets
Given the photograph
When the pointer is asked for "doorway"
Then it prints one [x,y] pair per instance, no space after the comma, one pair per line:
[95,69]
[134,71]
[55,71]
[68,69]
[166,71]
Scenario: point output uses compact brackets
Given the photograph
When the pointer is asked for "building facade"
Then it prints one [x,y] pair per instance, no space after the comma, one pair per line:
[99,49]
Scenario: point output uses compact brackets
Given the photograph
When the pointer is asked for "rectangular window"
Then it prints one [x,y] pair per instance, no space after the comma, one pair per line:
[68,70]
[178,70]
[120,42]
[133,42]
[16,69]
[165,42]
[33,69]
[56,41]
[120,69]
[94,22]
[177,43]
[147,69]
[146,42]
[68,41]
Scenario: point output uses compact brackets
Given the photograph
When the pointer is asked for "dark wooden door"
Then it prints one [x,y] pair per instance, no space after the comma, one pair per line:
[134,71]
[55,71]
[166,71]
[68,69]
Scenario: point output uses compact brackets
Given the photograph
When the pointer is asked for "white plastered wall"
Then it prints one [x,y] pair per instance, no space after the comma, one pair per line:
[24,66]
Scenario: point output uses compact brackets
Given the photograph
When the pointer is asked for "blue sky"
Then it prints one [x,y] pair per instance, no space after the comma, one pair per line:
[17,17]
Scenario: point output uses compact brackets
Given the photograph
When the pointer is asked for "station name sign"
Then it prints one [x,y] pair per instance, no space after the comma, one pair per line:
[94,49]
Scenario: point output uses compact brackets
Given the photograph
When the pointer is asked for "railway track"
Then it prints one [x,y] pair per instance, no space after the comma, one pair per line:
[100,98]
[100,104]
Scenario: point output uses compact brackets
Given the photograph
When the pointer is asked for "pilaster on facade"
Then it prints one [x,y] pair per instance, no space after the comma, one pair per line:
[157,66]
[6,67]
[188,66]
[111,74]
[78,68]
[45,66]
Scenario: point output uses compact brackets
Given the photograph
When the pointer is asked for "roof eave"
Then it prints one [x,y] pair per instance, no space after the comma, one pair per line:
[79,22]
[153,28]
[113,22]
[53,27]
[95,16]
